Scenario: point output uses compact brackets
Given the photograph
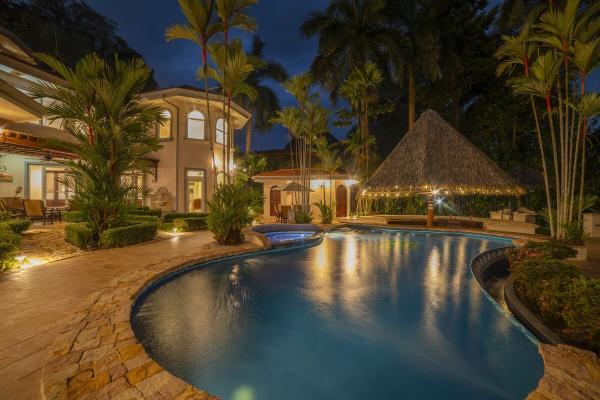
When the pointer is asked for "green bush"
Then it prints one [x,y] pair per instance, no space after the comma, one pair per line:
[169,217]
[73,216]
[552,249]
[189,224]
[156,212]
[18,226]
[302,217]
[230,211]
[165,226]
[128,235]
[135,219]
[78,234]
[565,300]
[9,245]
[326,212]
[5,215]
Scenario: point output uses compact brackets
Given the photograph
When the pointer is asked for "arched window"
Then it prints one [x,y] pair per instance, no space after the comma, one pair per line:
[195,127]
[221,136]
[164,129]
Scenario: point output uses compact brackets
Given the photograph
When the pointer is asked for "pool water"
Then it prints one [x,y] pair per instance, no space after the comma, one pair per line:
[278,237]
[366,314]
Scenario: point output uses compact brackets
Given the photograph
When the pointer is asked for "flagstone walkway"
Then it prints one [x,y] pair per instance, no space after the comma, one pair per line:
[34,301]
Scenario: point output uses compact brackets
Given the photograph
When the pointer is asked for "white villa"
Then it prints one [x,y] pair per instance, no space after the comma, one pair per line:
[279,190]
[182,178]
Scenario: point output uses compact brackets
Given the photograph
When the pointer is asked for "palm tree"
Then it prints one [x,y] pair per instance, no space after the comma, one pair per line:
[266,104]
[290,117]
[330,163]
[200,29]
[231,14]
[351,33]
[231,72]
[517,51]
[361,91]
[110,128]
[416,41]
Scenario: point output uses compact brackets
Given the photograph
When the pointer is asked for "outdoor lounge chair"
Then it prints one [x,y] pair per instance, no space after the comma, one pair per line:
[35,211]
[13,213]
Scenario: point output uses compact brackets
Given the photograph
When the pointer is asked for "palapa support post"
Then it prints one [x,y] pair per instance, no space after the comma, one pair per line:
[430,213]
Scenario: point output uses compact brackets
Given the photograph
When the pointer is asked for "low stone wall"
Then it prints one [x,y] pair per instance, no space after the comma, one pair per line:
[96,355]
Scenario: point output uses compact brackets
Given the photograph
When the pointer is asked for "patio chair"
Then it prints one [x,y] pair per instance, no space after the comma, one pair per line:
[13,213]
[35,211]
[284,213]
[277,213]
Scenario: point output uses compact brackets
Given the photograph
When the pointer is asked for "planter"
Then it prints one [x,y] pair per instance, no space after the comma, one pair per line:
[581,254]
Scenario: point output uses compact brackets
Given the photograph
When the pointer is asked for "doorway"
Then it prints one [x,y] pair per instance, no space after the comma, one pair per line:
[341,201]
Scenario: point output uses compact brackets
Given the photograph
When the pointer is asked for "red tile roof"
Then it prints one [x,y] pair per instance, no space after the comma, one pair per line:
[290,172]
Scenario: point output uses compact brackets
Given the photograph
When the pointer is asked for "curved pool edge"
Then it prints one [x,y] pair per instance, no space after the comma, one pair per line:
[96,353]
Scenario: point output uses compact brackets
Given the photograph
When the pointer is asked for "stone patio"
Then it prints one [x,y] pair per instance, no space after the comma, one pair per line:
[34,301]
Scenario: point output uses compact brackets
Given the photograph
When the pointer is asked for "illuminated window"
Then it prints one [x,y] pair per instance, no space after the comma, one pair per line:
[164,129]
[195,127]
[221,136]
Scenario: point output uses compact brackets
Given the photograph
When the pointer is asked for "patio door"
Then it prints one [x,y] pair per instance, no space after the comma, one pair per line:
[341,201]
[196,184]
[274,200]
[56,190]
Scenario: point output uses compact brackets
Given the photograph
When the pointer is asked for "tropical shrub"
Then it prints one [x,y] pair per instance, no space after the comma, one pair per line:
[18,226]
[326,212]
[303,217]
[549,249]
[229,212]
[128,235]
[78,234]
[5,215]
[73,216]
[189,224]
[169,217]
[564,299]
[9,242]
[110,130]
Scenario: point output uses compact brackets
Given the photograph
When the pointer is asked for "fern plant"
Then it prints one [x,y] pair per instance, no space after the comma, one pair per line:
[230,210]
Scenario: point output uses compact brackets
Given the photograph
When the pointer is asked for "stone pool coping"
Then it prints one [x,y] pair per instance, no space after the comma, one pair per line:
[97,356]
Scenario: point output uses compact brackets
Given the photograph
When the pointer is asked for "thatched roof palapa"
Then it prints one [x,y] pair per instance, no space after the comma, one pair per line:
[433,155]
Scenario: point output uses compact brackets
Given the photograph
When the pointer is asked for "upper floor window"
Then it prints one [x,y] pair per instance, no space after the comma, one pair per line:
[221,136]
[195,127]
[164,129]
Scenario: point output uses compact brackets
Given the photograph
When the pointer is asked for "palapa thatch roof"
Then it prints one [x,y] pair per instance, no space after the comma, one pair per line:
[434,155]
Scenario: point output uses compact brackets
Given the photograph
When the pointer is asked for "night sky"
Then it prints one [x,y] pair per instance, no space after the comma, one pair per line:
[142,23]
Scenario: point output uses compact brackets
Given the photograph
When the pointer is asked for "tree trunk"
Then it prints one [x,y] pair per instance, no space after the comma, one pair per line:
[249,136]
[412,94]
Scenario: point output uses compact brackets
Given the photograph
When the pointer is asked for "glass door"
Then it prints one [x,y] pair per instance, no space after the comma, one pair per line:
[56,190]
[195,184]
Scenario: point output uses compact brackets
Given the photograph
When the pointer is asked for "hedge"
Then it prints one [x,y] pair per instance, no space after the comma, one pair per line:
[169,217]
[73,216]
[146,211]
[561,296]
[189,224]
[136,219]
[127,235]
[9,242]
[18,226]
[78,234]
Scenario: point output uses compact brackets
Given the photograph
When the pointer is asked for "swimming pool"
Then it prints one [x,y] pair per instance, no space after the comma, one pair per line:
[365,314]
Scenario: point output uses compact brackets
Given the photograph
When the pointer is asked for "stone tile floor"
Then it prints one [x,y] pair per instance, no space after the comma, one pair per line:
[33,302]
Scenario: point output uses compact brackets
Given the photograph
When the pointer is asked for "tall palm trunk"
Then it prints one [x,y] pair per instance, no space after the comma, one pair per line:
[412,95]
[544,167]
[249,134]
[556,167]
